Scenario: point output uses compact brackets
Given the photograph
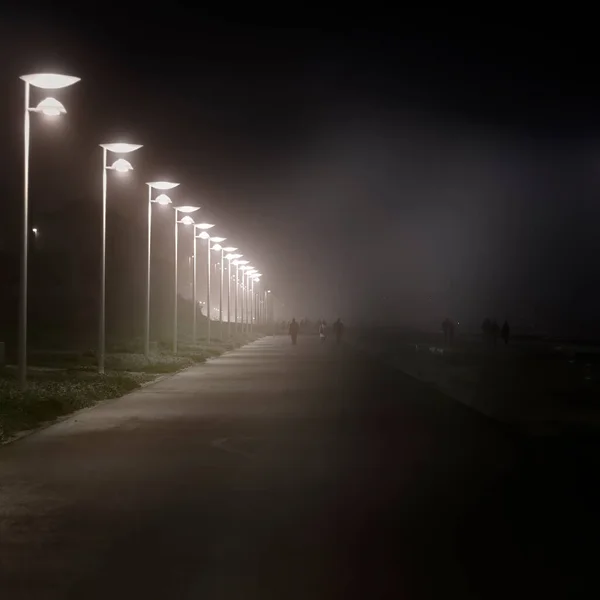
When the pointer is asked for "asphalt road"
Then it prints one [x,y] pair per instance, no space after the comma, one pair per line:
[294,472]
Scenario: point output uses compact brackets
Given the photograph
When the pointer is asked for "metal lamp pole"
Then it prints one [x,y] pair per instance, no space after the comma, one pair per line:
[50,107]
[120,166]
[221,294]
[186,220]
[163,200]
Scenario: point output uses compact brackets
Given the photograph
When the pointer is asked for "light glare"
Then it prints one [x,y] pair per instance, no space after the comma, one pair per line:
[50,81]
[187,209]
[187,220]
[51,107]
[121,147]
[204,225]
[162,185]
[163,199]
[121,165]
[204,235]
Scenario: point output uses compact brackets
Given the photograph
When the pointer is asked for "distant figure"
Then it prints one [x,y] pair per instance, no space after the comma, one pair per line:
[505,333]
[322,331]
[446,330]
[294,329]
[338,329]
[495,331]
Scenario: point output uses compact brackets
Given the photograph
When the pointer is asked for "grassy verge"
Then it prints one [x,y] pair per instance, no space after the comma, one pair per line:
[51,394]
[62,382]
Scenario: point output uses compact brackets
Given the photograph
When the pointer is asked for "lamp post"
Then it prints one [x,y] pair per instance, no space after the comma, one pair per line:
[186,220]
[251,298]
[49,107]
[256,279]
[217,240]
[163,200]
[238,264]
[120,166]
[203,227]
[243,296]
[218,248]
[229,257]
[247,270]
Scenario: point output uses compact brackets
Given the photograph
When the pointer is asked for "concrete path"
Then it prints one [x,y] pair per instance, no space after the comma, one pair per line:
[286,472]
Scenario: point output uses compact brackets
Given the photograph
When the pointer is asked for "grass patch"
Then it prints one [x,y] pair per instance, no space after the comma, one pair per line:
[51,394]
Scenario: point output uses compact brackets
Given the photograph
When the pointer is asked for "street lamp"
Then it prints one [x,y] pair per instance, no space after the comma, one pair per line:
[238,263]
[255,279]
[246,270]
[120,166]
[186,220]
[163,200]
[203,227]
[206,236]
[49,107]
[229,256]
[218,248]
[250,292]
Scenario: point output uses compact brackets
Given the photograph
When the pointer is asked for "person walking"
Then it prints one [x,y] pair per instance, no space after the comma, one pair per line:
[322,331]
[294,329]
[338,329]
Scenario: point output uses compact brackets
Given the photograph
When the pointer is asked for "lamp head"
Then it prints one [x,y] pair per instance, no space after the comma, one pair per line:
[121,166]
[50,81]
[162,185]
[50,107]
[163,199]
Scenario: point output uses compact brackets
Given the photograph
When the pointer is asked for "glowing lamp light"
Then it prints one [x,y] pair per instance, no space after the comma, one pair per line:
[204,225]
[163,199]
[50,81]
[217,247]
[230,249]
[217,240]
[187,209]
[241,263]
[162,185]
[203,235]
[121,147]
[121,166]
[187,220]
[50,107]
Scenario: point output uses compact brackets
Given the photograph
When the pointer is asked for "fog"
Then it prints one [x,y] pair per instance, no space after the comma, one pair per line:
[358,193]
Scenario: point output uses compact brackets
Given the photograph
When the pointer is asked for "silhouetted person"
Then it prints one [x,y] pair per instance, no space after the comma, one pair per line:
[505,333]
[294,329]
[495,331]
[446,330]
[338,330]
[322,331]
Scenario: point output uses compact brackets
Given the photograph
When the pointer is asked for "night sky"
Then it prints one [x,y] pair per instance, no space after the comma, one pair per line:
[368,170]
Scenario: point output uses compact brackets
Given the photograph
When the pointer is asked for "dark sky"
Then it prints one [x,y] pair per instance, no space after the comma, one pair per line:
[367,167]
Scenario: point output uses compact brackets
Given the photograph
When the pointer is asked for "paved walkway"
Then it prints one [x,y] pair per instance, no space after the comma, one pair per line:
[274,471]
